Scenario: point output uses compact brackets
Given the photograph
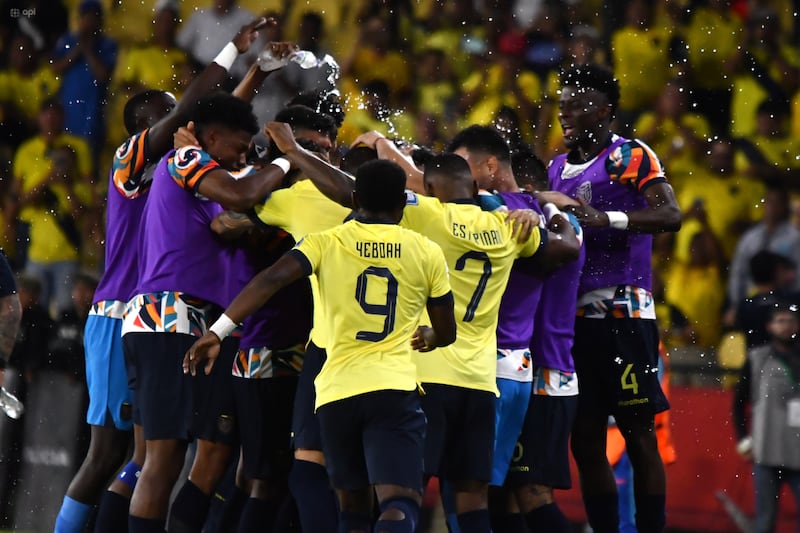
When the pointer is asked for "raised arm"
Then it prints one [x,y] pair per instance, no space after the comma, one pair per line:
[388,150]
[332,182]
[242,194]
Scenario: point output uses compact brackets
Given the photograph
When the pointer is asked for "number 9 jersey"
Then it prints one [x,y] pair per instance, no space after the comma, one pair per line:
[375,281]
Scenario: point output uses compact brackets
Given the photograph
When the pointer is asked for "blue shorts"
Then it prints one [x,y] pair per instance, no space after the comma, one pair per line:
[305,426]
[460,437]
[110,401]
[509,415]
[374,438]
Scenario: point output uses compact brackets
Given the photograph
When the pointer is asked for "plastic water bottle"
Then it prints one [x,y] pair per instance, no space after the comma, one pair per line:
[304,58]
[10,405]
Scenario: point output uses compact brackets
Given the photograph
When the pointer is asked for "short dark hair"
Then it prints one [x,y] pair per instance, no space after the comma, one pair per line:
[325,103]
[764,266]
[530,170]
[224,109]
[448,164]
[484,139]
[357,156]
[136,102]
[380,186]
[300,116]
[595,77]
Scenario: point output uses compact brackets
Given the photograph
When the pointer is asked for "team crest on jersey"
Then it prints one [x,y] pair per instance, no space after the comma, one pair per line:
[584,192]
[411,198]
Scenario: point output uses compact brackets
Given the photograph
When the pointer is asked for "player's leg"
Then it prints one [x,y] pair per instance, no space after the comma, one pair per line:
[792,478]
[640,397]
[308,478]
[112,514]
[593,353]
[767,487]
[109,415]
[214,425]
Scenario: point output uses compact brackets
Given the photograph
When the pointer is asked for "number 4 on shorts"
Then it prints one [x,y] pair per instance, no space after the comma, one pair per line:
[628,380]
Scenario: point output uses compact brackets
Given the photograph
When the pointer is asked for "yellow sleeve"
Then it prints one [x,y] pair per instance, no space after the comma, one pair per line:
[277,208]
[439,277]
[82,155]
[312,246]
[531,246]
[420,211]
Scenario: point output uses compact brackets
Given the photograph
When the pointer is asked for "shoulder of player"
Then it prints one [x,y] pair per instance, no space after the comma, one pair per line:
[190,157]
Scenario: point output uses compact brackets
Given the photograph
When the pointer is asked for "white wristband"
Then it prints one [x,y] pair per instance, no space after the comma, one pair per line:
[617,220]
[745,445]
[227,56]
[223,327]
[550,210]
[283,163]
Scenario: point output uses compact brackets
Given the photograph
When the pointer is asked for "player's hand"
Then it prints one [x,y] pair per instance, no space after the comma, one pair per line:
[248,34]
[424,339]
[369,139]
[588,216]
[560,200]
[279,52]
[207,347]
[282,135]
[185,137]
[522,222]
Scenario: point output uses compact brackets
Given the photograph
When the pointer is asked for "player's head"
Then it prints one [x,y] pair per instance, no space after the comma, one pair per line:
[484,149]
[773,270]
[313,131]
[530,171]
[51,117]
[146,108]
[447,177]
[224,126]
[784,323]
[357,156]
[380,189]
[587,104]
[325,103]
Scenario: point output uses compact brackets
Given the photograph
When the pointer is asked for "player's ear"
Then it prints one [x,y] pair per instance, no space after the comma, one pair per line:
[492,163]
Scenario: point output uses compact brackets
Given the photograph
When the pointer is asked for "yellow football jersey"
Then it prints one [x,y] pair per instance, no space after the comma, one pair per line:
[301,209]
[374,281]
[480,248]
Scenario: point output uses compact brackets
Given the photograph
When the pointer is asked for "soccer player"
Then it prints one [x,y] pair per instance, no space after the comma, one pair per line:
[375,280]
[617,190]
[151,117]
[170,308]
[480,248]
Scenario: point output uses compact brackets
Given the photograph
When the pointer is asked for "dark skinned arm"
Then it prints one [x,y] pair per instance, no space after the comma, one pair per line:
[230,225]
[255,294]
[332,182]
[442,331]
[242,194]
[562,244]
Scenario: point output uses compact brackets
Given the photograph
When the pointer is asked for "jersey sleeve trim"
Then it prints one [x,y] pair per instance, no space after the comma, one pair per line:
[634,163]
[445,299]
[301,258]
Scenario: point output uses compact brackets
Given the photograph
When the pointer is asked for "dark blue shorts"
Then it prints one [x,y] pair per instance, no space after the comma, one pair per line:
[460,441]
[305,426]
[617,364]
[174,405]
[264,410]
[373,439]
[542,453]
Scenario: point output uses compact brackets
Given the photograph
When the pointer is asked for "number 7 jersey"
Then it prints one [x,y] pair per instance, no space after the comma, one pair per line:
[375,281]
[479,248]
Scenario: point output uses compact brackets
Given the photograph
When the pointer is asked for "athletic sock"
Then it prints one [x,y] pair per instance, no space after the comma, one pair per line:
[547,519]
[508,523]
[72,516]
[316,501]
[112,516]
[189,510]
[602,512]
[257,515]
[650,513]
[474,521]
[145,525]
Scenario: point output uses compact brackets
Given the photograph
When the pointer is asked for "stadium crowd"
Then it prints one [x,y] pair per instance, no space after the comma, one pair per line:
[706,106]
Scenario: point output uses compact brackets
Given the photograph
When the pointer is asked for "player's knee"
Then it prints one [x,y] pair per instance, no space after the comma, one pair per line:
[398,515]
[532,497]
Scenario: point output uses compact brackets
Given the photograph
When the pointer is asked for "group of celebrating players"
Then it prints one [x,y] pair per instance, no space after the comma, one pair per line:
[351,331]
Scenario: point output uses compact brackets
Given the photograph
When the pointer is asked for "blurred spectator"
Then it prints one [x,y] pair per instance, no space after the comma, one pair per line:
[640,56]
[771,152]
[673,326]
[697,287]
[24,85]
[65,349]
[674,132]
[769,436]
[775,233]
[770,70]
[731,199]
[545,39]
[372,111]
[52,187]
[204,34]
[155,65]
[713,38]
[434,85]
[773,277]
[507,123]
[35,331]
[85,61]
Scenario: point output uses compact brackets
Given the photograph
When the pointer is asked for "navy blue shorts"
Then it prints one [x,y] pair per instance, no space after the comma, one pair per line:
[305,426]
[264,410]
[373,439]
[617,364]
[174,405]
[541,456]
[460,441]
